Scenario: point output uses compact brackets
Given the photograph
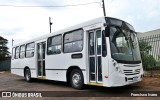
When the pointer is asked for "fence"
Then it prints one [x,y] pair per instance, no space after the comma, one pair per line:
[151,61]
[5,65]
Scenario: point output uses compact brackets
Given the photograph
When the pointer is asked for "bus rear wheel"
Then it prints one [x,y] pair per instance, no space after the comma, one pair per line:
[76,79]
[28,75]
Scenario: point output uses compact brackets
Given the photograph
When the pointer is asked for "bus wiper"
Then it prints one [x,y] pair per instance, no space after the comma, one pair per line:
[126,38]
[132,39]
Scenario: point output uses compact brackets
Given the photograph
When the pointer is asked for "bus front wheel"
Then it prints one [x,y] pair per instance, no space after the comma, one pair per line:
[28,75]
[76,79]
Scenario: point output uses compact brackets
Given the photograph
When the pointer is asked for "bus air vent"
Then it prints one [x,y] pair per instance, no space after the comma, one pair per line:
[131,72]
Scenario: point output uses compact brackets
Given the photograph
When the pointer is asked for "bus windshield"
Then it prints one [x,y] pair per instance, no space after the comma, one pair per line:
[124,45]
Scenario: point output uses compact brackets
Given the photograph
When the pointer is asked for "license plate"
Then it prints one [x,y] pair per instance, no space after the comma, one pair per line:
[135,78]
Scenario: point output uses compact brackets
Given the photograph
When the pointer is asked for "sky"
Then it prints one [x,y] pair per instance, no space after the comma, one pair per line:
[24,23]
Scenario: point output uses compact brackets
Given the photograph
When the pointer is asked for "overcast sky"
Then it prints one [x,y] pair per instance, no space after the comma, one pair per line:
[24,23]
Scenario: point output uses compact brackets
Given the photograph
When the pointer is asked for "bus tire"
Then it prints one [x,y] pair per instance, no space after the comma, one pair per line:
[28,75]
[76,79]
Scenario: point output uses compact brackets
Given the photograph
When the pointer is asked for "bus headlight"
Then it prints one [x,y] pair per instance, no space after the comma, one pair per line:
[118,69]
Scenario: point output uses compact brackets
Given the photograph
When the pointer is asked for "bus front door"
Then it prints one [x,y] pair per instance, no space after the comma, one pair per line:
[41,59]
[95,55]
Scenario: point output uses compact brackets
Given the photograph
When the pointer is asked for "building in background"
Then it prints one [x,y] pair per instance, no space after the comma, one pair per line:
[153,38]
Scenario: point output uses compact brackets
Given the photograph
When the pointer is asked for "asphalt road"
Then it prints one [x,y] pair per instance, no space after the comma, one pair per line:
[61,90]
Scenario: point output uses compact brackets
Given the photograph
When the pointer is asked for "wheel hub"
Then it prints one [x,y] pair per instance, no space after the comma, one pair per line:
[27,74]
[76,79]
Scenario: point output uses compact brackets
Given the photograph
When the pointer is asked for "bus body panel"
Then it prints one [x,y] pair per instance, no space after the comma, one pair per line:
[64,61]
[106,66]
[58,75]
[19,72]
[57,65]
[126,75]
[18,66]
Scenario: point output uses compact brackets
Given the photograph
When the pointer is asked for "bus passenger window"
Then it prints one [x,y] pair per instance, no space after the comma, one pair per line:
[73,41]
[22,51]
[30,50]
[54,45]
[91,43]
[17,53]
[99,42]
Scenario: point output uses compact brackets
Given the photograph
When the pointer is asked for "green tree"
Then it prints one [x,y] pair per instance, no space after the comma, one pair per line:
[148,60]
[4,53]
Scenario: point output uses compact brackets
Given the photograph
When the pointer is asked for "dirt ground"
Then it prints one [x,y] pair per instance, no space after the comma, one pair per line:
[10,82]
[150,81]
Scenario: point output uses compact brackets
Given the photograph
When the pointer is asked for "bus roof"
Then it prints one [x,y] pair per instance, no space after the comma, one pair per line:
[74,27]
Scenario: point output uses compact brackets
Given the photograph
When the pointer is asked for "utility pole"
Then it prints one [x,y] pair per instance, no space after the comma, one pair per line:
[12,42]
[104,11]
[50,24]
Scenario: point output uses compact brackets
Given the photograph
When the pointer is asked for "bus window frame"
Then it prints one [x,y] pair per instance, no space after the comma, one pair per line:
[55,45]
[69,32]
[16,52]
[29,50]
[22,51]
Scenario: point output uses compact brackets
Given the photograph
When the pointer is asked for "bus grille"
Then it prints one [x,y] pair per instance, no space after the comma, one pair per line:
[131,72]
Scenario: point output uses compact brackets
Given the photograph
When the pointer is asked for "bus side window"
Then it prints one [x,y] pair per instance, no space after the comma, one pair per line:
[17,53]
[104,46]
[73,41]
[29,50]
[22,51]
[54,45]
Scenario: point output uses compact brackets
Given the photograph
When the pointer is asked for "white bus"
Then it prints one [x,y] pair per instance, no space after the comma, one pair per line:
[102,52]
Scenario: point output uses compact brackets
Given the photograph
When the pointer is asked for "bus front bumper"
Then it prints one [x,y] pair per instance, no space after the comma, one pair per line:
[122,80]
